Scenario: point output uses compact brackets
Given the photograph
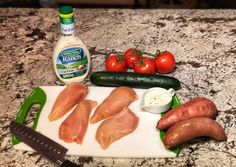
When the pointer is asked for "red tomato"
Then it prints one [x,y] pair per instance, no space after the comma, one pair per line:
[115,64]
[132,56]
[164,62]
[145,66]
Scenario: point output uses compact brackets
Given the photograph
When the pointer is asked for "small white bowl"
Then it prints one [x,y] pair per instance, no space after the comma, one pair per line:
[157,100]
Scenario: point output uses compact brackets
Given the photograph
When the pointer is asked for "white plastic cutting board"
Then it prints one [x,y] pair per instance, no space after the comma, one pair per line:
[142,143]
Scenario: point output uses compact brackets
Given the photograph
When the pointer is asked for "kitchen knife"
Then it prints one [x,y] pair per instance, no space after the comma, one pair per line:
[41,144]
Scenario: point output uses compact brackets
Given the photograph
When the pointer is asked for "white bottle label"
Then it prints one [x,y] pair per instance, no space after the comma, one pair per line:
[67,29]
[67,24]
[72,62]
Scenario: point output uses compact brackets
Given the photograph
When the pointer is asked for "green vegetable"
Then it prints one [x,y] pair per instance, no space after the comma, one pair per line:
[136,80]
[175,103]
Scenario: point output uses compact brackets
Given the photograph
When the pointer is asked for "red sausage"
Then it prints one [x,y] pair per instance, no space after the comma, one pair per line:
[189,129]
[197,107]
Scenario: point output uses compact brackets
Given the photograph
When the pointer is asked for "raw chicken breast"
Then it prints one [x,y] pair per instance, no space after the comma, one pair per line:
[118,99]
[75,125]
[116,127]
[67,99]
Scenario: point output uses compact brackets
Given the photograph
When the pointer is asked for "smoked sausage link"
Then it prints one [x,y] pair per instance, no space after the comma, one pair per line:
[197,107]
[186,130]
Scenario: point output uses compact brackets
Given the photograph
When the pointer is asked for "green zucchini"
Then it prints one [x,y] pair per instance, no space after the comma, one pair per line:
[135,80]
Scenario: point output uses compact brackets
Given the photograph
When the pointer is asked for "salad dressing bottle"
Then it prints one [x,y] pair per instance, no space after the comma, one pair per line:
[71,58]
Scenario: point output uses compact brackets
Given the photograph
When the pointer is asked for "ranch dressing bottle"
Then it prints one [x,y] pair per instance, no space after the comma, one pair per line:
[71,58]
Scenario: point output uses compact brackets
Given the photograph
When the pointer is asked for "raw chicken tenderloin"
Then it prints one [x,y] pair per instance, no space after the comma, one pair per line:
[75,125]
[116,127]
[67,99]
[118,99]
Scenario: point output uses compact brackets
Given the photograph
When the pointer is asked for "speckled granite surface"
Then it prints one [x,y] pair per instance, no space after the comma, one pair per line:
[202,41]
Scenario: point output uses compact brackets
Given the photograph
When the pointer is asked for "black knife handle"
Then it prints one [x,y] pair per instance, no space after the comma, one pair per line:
[68,163]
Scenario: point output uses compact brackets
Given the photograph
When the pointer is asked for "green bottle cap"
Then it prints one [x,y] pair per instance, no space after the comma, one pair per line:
[66,10]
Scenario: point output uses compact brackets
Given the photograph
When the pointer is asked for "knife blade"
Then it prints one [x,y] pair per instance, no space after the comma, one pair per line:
[41,144]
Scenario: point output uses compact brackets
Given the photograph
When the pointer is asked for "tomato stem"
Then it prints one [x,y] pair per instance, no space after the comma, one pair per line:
[158,52]
[120,58]
[140,62]
[149,54]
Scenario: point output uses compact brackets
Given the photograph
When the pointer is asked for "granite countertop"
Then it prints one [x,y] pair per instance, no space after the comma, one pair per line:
[203,42]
